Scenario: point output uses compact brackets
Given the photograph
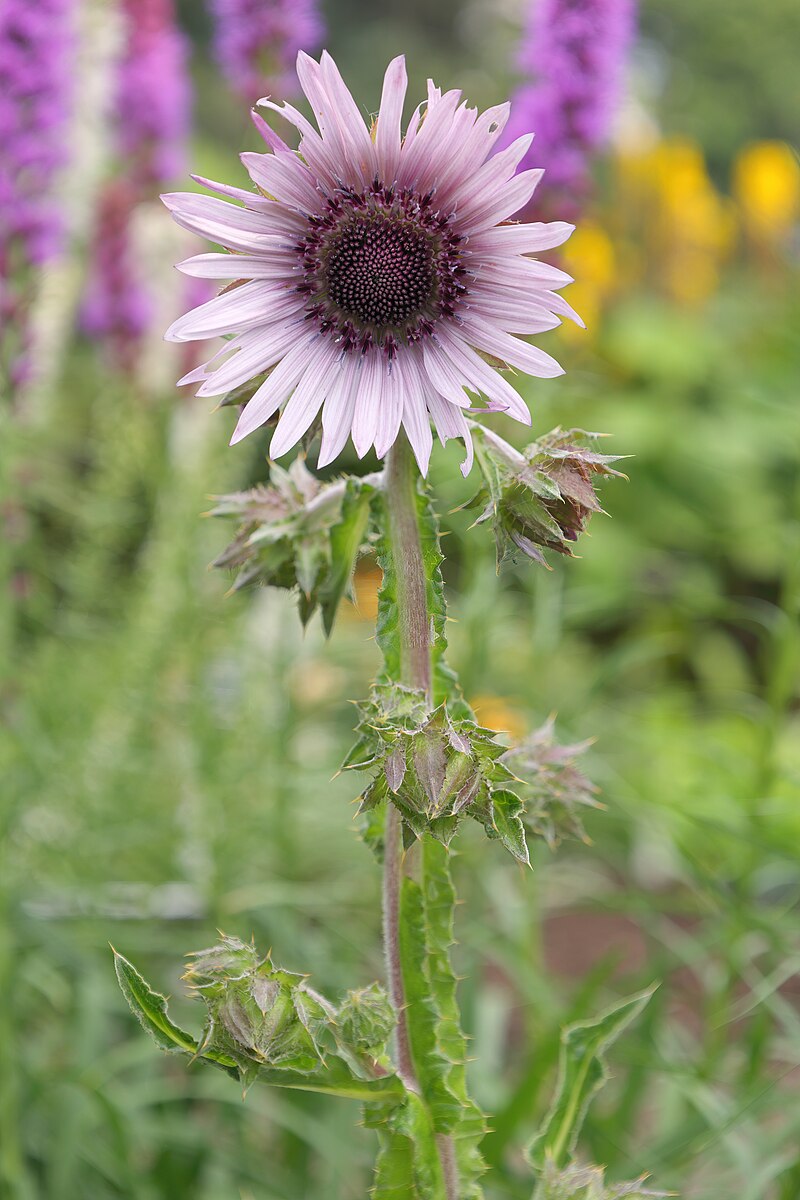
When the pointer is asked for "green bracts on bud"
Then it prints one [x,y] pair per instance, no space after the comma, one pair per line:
[300,534]
[435,768]
[257,1014]
[555,789]
[542,497]
[366,1020]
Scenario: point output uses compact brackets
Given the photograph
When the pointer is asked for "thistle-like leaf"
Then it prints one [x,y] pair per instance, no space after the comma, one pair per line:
[582,1071]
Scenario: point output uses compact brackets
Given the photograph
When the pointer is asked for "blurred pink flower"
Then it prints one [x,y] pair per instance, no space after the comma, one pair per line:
[373,274]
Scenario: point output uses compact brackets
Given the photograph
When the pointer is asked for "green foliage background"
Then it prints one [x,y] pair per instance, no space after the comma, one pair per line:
[168,752]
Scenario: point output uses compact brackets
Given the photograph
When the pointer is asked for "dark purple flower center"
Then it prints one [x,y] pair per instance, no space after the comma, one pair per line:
[380,268]
[380,271]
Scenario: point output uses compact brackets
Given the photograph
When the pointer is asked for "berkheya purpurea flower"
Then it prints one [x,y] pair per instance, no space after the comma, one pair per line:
[378,279]
[376,276]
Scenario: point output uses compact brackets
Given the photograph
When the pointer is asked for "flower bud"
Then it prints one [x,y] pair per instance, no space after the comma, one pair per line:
[555,788]
[257,1014]
[541,498]
[366,1020]
[298,533]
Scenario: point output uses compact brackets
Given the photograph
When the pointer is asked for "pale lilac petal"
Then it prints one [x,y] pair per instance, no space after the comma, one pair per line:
[286,178]
[203,372]
[472,152]
[242,266]
[268,133]
[559,305]
[390,414]
[253,199]
[501,204]
[338,409]
[306,399]
[520,272]
[387,128]
[321,158]
[416,420]
[274,390]
[368,401]
[336,124]
[250,304]
[524,319]
[227,224]
[482,377]
[254,351]
[418,154]
[510,312]
[531,238]
[511,350]
[348,115]
[472,192]
[447,381]
[450,423]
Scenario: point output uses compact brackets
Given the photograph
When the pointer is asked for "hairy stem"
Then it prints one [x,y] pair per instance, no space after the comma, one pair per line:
[415,671]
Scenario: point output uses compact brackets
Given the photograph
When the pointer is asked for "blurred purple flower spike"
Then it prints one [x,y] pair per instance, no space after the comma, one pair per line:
[572,55]
[153,94]
[152,116]
[36,47]
[257,42]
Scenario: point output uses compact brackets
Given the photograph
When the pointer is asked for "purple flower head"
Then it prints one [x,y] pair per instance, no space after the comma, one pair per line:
[573,55]
[153,94]
[377,283]
[257,42]
[35,55]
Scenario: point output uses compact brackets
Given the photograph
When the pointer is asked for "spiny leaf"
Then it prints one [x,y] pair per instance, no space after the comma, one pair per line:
[394,1169]
[582,1072]
[439,897]
[334,1077]
[150,1009]
[422,1019]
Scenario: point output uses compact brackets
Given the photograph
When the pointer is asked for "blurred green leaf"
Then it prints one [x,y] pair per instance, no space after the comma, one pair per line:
[582,1072]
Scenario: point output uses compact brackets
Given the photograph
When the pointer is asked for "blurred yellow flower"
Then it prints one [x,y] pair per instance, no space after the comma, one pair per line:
[687,227]
[494,712]
[366,582]
[766,186]
[590,257]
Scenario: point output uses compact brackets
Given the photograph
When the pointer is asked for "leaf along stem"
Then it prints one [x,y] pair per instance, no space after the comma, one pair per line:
[416,672]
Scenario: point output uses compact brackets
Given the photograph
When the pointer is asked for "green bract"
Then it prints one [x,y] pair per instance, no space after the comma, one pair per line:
[300,534]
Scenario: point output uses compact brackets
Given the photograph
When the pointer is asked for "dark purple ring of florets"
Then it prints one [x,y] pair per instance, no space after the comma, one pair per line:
[380,267]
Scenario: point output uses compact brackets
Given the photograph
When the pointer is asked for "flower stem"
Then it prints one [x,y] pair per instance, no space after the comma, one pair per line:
[415,672]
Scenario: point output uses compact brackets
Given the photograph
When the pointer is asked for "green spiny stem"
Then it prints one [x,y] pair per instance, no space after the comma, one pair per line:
[415,669]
